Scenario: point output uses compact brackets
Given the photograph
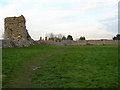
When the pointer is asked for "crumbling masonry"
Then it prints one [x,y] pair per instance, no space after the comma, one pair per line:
[15,34]
[15,29]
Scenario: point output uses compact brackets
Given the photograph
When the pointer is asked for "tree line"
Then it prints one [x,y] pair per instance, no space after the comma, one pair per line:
[117,37]
[61,37]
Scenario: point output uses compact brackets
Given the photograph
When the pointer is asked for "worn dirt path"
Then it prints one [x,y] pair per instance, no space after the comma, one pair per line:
[22,77]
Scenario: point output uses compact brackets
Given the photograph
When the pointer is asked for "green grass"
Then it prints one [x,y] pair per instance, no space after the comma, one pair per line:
[61,67]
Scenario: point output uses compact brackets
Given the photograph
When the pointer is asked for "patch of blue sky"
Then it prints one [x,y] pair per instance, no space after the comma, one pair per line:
[4,2]
[111,26]
[90,16]
[63,5]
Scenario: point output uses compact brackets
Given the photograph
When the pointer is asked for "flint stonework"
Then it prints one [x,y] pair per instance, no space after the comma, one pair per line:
[16,34]
[15,28]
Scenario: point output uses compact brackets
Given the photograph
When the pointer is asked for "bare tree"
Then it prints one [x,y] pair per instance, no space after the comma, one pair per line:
[51,36]
[59,36]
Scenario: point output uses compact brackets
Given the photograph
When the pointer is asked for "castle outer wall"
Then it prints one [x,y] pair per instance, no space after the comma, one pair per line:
[15,28]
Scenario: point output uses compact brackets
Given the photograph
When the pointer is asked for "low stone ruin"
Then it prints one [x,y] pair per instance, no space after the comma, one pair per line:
[15,28]
[82,42]
[16,34]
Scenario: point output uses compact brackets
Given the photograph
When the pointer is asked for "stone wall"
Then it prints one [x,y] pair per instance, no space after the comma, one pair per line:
[91,42]
[16,34]
[26,43]
[16,43]
[81,42]
[15,29]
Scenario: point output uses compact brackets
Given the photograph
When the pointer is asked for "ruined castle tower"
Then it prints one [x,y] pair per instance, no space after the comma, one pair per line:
[15,29]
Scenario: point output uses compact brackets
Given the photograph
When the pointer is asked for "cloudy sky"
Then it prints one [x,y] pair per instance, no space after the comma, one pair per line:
[94,19]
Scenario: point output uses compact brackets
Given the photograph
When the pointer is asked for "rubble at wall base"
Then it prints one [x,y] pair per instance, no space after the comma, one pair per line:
[26,43]
[16,43]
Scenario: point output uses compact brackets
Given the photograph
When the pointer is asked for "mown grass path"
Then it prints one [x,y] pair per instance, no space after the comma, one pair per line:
[24,72]
[61,67]
[18,64]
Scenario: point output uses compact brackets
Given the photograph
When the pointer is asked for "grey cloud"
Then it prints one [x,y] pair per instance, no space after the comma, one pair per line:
[110,24]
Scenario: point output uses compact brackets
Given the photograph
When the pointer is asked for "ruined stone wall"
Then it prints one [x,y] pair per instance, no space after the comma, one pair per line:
[91,42]
[16,43]
[81,42]
[15,28]
[24,43]
[15,34]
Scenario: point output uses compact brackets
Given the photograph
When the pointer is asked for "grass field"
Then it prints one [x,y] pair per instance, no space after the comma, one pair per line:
[61,67]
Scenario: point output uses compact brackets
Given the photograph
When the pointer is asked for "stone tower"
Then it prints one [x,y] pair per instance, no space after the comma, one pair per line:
[15,29]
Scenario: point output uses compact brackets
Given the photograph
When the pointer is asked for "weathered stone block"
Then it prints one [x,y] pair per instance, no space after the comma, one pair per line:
[15,28]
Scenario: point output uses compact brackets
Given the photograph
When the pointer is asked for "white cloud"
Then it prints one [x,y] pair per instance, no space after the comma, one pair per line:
[62,16]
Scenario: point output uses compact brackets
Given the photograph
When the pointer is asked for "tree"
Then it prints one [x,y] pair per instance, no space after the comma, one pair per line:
[117,37]
[82,38]
[64,38]
[51,36]
[114,38]
[59,36]
[69,37]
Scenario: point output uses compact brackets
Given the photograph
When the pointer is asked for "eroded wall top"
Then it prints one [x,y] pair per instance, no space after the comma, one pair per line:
[15,28]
